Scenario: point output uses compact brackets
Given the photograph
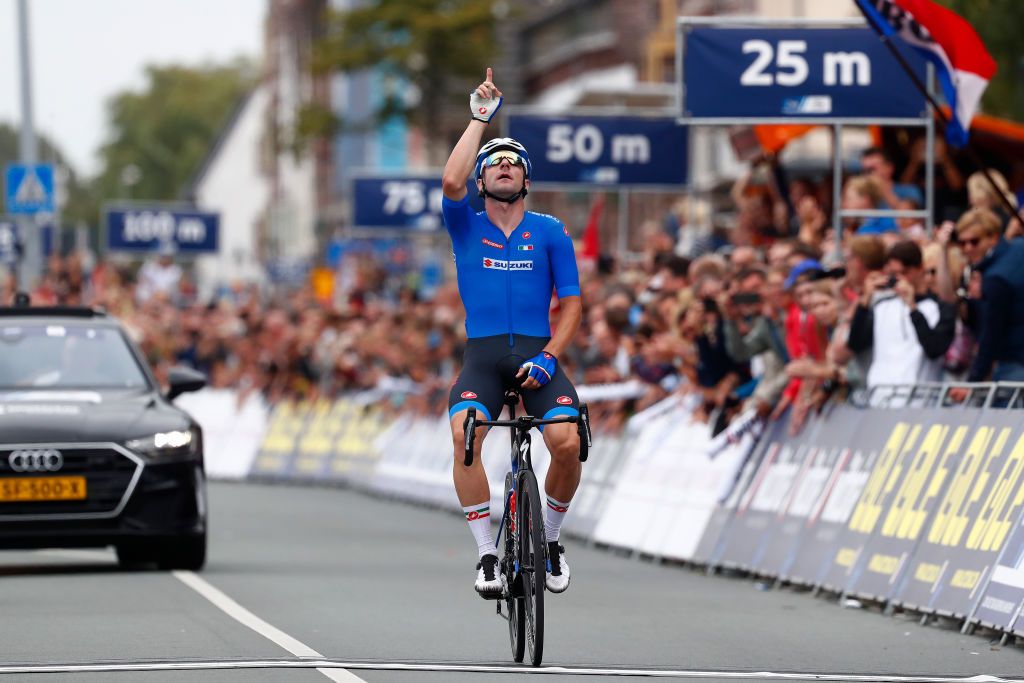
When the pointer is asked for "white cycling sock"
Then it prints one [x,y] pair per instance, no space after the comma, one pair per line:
[479,518]
[553,519]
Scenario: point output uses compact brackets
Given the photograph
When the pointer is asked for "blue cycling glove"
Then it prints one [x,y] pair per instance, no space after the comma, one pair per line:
[541,367]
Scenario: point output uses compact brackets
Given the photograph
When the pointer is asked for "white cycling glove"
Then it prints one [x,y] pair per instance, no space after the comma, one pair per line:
[484,110]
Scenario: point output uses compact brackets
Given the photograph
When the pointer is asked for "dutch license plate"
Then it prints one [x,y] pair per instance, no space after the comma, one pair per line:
[41,489]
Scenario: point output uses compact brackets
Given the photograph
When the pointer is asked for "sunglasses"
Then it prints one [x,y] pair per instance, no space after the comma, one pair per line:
[972,242]
[511,157]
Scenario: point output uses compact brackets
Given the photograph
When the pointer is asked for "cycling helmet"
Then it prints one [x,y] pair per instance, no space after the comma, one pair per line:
[500,145]
[497,145]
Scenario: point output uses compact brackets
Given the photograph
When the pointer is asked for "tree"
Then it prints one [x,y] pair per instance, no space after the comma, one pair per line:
[167,129]
[999,22]
[426,46]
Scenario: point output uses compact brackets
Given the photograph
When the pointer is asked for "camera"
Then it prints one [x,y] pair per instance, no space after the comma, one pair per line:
[746,298]
[890,283]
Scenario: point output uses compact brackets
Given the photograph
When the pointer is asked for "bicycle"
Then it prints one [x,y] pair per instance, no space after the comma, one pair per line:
[523,576]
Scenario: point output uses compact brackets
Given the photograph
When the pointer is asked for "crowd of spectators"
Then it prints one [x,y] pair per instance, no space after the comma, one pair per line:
[780,317]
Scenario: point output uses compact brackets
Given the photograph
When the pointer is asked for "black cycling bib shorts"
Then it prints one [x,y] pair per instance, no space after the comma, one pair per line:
[489,370]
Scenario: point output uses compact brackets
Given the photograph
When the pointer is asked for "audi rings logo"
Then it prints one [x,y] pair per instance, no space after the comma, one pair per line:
[48,460]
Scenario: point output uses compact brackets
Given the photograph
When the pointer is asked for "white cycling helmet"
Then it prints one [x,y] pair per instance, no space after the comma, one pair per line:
[498,145]
[502,145]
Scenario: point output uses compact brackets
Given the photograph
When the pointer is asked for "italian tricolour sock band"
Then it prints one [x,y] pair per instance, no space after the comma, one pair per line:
[553,519]
[479,518]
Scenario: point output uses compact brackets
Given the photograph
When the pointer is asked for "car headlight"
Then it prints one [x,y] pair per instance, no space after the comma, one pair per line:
[178,442]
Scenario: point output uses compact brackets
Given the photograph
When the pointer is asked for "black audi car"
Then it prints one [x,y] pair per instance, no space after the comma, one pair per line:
[92,452]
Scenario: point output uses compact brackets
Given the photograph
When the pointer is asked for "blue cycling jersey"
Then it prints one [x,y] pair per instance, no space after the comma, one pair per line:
[506,282]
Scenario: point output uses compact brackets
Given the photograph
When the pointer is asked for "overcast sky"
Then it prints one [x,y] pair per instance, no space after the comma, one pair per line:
[84,51]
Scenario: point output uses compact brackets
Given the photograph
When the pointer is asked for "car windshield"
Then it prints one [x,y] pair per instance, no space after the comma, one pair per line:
[66,356]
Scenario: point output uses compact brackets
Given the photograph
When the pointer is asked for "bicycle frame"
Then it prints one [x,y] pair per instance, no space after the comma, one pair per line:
[521,441]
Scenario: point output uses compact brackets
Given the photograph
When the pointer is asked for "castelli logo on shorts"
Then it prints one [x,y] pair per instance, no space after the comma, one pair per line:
[493,244]
[526,235]
[564,400]
[468,394]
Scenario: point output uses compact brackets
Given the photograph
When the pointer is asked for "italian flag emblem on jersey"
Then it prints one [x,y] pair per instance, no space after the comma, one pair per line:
[525,247]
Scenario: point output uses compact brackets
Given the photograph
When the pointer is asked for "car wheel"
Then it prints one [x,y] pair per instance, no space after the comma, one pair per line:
[134,555]
[185,552]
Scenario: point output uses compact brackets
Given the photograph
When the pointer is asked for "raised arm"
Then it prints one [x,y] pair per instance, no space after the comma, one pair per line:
[484,102]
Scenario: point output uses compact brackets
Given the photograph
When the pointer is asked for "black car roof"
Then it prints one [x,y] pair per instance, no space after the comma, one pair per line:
[64,315]
[52,312]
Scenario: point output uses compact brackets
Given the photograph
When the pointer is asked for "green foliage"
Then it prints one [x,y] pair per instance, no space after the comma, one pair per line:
[167,129]
[999,23]
[428,46]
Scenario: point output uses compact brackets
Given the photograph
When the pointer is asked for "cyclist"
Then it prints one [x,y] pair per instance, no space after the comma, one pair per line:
[508,262]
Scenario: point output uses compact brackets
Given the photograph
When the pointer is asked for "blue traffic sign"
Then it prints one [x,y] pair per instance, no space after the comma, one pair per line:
[29,189]
[406,201]
[817,74]
[611,151]
[149,229]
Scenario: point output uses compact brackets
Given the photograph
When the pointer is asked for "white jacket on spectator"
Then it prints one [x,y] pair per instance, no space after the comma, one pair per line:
[899,357]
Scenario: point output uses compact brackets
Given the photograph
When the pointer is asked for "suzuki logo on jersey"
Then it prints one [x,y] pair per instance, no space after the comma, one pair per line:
[525,247]
[495,264]
[468,394]
[493,244]
[564,400]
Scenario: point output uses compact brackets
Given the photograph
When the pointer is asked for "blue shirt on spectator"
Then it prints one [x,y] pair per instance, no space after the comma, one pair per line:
[878,226]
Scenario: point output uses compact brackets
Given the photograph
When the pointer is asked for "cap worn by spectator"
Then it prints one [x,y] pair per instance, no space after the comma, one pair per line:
[810,267]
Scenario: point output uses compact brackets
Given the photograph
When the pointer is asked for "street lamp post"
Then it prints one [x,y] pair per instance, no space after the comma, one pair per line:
[31,265]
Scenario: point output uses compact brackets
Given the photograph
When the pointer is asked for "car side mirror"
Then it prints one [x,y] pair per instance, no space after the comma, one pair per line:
[183,380]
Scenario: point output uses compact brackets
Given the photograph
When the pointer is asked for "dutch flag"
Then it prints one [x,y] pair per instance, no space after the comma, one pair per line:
[962,63]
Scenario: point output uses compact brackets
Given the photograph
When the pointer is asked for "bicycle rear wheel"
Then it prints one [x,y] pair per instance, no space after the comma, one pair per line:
[516,614]
[532,562]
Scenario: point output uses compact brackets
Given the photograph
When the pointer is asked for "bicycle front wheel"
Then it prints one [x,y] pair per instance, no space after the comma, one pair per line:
[513,597]
[532,561]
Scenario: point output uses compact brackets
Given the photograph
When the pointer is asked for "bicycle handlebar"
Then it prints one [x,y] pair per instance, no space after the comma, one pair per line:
[527,422]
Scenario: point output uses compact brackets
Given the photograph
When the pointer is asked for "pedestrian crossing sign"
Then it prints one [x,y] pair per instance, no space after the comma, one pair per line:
[29,189]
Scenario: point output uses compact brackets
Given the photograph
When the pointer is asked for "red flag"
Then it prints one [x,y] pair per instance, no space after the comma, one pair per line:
[963,65]
[591,238]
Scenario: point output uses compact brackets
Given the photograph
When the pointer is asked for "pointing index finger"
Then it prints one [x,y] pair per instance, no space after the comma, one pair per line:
[489,75]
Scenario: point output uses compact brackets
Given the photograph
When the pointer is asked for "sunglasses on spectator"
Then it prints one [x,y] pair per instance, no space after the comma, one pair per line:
[972,242]
[511,157]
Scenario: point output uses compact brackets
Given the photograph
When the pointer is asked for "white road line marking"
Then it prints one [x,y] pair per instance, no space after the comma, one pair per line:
[327,666]
[268,631]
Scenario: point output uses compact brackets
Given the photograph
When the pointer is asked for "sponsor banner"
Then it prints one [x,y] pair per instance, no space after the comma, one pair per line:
[973,518]
[323,440]
[632,503]
[751,530]
[1002,602]
[883,453]
[903,493]
[712,540]
[607,456]
[232,429]
[841,470]
[796,529]
[670,483]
